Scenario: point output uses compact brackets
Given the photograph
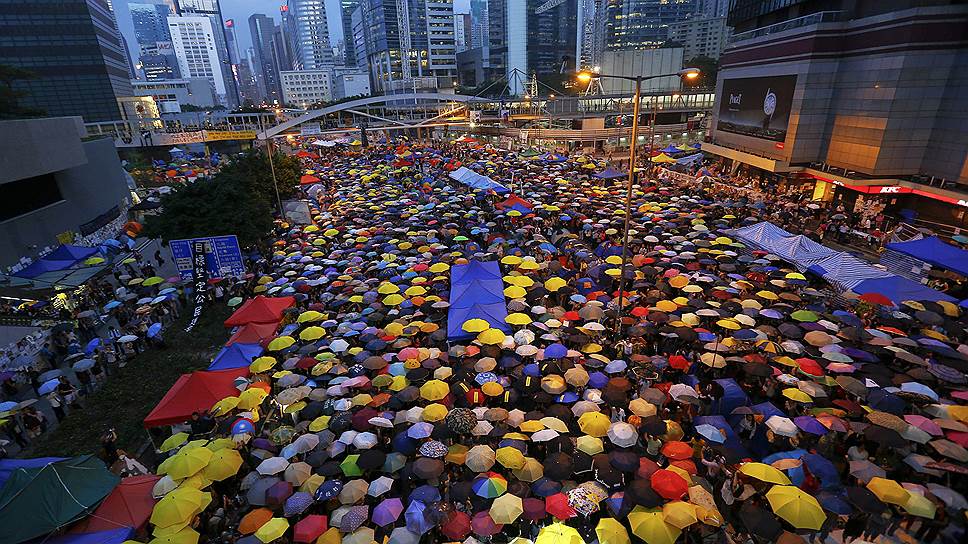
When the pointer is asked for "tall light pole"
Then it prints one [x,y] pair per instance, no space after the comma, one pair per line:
[272,168]
[587,76]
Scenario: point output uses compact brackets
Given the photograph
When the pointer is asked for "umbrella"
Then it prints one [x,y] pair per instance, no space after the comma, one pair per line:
[650,526]
[559,533]
[796,507]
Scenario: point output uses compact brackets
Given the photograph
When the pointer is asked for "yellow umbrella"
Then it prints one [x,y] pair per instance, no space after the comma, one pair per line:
[558,533]
[511,260]
[590,445]
[531,471]
[506,509]
[713,360]
[513,291]
[174,441]
[273,529]
[650,526]
[437,268]
[153,280]
[491,337]
[393,300]
[475,325]
[434,412]
[387,289]
[764,473]
[224,406]
[797,507]
[510,457]
[889,491]
[554,284]
[921,506]
[177,507]
[611,531]
[434,390]
[281,343]
[594,424]
[184,536]
[797,395]
[679,514]
[187,463]
[224,464]
[517,318]
[312,333]
[250,398]
[415,290]
[94,260]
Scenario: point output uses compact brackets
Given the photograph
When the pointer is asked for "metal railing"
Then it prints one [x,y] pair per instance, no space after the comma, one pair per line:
[806,20]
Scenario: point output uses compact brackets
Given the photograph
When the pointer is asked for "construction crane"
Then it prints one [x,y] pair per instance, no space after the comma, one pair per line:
[550,4]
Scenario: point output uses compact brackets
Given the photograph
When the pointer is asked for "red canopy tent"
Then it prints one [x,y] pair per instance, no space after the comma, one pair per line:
[129,505]
[195,392]
[260,310]
[253,333]
[308,180]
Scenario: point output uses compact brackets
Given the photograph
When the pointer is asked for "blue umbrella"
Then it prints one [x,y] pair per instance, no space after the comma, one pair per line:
[416,516]
[823,469]
[710,433]
[835,503]
[425,493]
[555,351]
[111,305]
[47,387]
[328,490]
[243,426]
[811,425]
[154,329]
[91,346]
[882,400]
[7,406]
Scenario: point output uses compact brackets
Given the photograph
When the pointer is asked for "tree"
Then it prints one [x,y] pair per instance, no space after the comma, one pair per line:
[708,69]
[240,199]
[10,107]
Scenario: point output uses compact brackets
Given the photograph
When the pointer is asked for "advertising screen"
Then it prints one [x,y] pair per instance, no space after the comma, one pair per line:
[757,106]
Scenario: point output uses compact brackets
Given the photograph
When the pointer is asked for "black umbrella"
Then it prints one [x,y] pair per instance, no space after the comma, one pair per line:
[558,466]
[371,459]
[759,522]
[865,500]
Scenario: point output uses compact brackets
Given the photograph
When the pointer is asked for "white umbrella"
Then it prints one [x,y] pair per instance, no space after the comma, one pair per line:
[782,426]
[381,422]
[622,434]
[544,435]
[163,486]
[127,338]
[305,442]
[380,486]
[272,465]
[365,441]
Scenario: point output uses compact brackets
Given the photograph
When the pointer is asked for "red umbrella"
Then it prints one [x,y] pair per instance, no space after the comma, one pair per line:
[534,509]
[483,525]
[876,298]
[309,528]
[557,505]
[686,465]
[457,525]
[646,468]
[678,362]
[809,367]
[677,450]
[668,484]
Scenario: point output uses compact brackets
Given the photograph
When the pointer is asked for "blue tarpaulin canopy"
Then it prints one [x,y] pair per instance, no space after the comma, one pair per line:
[42,266]
[235,355]
[476,292]
[933,251]
[111,536]
[610,173]
[477,181]
[839,268]
[70,253]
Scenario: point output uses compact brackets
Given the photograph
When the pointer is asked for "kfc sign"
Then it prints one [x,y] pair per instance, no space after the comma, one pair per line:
[892,189]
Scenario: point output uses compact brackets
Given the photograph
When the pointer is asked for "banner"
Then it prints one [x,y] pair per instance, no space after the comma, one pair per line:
[757,106]
[220,135]
[199,249]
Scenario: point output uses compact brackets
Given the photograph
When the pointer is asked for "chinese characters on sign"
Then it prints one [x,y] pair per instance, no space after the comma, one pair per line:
[199,249]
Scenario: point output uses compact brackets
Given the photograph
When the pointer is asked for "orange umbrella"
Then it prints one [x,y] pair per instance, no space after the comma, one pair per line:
[254,519]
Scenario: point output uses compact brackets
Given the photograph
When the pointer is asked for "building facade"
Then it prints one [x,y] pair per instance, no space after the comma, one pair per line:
[74,53]
[347,84]
[304,88]
[462,31]
[150,21]
[193,40]
[591,28]
[156,66]
[212,10]
[700,37]
[641,24]
[427,40]
[479,24]
[380,33]
[347,7]
[172,94]
[262,29]
[306,24]
[867,100]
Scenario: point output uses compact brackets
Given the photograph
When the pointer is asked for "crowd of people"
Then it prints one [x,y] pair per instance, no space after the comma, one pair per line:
[444,363]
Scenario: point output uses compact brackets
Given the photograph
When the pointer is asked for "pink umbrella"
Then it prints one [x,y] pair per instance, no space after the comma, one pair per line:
[387,512]
[408,353]
[309,528]
[959,438]
[483,525]
[924,424]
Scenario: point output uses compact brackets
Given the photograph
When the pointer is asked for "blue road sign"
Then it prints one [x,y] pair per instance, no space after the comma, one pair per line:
[223,257]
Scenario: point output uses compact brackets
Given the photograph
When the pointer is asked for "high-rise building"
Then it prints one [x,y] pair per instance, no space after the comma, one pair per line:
[427,44]
[193,40]
[308,33]
[304,88]
[462,31]
[156,66]
[709,9]
[478,23]
[150,22]
[347,7]
[247,84]
[381,34]
[700,37]
[531,37]
[591,28]
[283,56]
[641,24]
[75,52]
[358,26]
[263,28]
[212,10]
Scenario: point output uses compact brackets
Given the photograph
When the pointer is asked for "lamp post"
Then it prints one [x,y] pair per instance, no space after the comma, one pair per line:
[272,168]
[588,76]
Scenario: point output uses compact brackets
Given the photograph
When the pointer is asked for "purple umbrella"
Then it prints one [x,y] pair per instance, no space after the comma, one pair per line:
[354,518]
[810,425]
[278,493]
[297,503]
[387,512]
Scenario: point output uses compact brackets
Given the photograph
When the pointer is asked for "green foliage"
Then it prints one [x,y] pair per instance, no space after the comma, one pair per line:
[133,391]
[10,107]
[239,200]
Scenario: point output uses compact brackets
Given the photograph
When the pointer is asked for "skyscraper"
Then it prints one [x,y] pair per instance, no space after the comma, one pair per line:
[150,22]
[641,24]
[193,40]
[75,52]
[211,9]
[306,24]
[381,34]
[591,28]
[531,37]
[427,44]
[263,28]
[462,31]
[479,23]
[347,7]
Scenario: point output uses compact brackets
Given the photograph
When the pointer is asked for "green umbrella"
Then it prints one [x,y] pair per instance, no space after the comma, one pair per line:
[349,466]
[235,301]
[461,238]
[805,315]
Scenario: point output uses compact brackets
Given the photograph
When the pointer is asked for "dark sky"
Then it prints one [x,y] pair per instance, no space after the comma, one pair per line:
[240,11]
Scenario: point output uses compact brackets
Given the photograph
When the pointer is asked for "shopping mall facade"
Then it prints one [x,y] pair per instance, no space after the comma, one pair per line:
[865,106]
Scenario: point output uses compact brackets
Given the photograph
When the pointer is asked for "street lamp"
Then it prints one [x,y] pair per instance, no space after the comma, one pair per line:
[586,76]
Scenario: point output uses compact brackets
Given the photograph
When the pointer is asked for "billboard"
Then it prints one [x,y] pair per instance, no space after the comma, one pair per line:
[757,106]
[223,257]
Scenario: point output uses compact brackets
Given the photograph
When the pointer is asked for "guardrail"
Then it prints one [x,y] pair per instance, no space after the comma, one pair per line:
[806,20]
